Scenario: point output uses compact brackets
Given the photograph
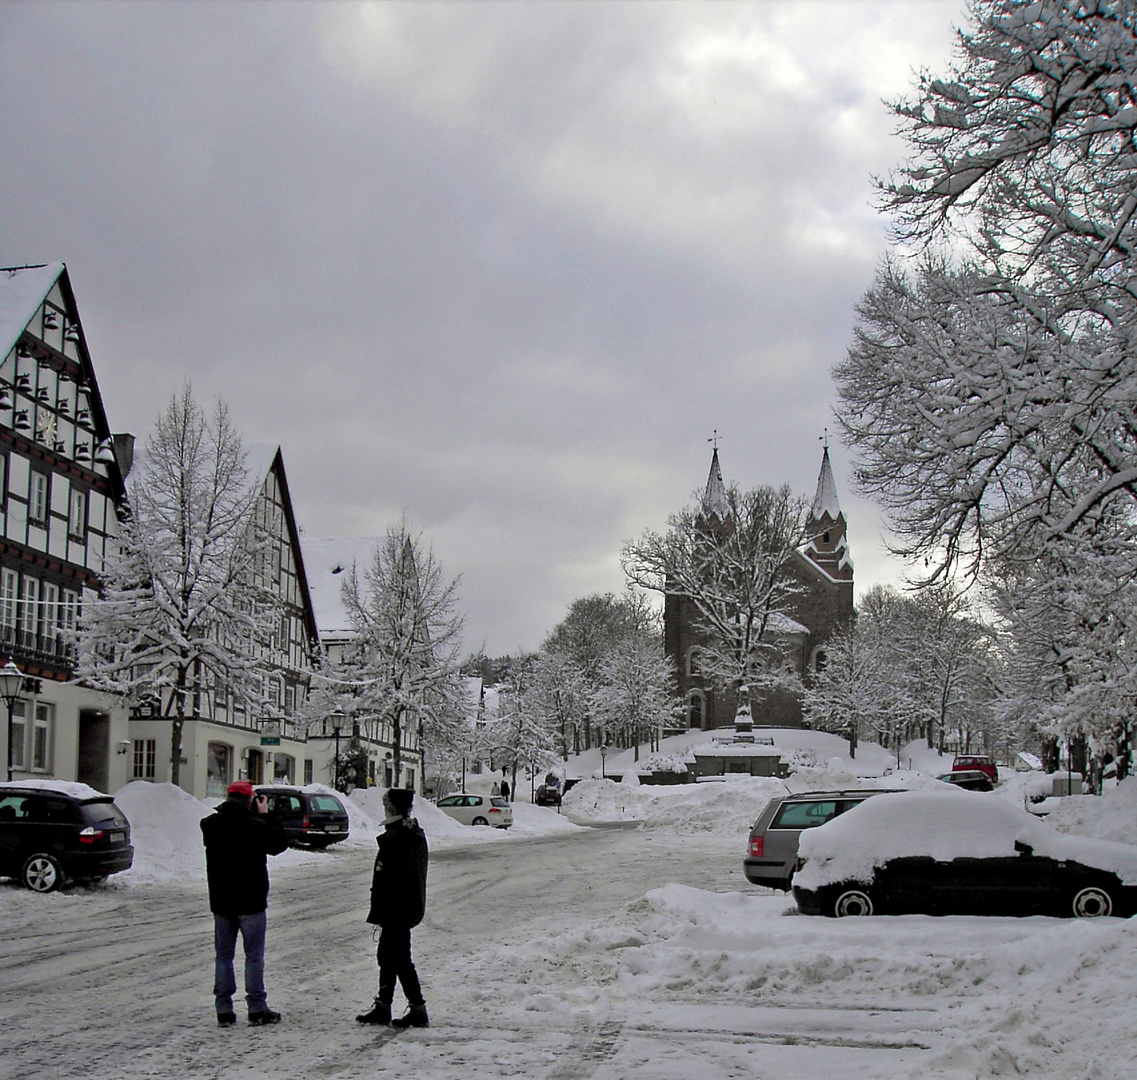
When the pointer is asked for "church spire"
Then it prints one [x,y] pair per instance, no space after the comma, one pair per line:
[825,501]
[714,497]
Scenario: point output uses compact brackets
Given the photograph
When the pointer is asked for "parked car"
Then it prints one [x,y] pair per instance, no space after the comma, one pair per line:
[478,810]
[548,795]
[950,853]
[984,764]
[968,779]
[310,818]
[772,851]
[53,833]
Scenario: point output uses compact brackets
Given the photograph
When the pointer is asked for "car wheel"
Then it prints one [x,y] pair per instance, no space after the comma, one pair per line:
[1092,903]
[479,821]
[42,873]
[852,902]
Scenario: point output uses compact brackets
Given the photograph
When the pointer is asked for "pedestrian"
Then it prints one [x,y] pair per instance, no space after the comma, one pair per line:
[495,790]
[505,790]
[238,837]
[398,903]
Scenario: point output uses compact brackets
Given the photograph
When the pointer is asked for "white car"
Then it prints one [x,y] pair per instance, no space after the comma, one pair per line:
[478,810]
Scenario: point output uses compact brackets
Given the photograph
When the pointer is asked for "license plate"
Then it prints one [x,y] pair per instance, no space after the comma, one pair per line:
[117,837]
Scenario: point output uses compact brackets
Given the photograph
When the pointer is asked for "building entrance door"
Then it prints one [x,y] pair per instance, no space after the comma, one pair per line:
[256,767]
[94,749]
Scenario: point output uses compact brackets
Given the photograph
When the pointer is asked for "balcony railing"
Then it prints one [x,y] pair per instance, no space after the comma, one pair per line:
[22,645]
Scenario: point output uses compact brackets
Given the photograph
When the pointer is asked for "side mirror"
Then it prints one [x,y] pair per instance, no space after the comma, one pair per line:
[1023,849]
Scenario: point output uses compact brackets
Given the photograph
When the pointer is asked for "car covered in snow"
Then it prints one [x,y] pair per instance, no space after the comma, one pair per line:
[771,852]
[951,852]
[53,833]
[472,809]
[311,817]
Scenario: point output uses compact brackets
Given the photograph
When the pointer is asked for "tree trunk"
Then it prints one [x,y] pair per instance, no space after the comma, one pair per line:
[853,742]
[176,728]
[397,746]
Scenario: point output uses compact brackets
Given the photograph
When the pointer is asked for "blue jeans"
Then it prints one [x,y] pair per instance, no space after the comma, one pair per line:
[252,929]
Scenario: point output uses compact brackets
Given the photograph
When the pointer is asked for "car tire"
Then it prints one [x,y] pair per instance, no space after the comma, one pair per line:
[852,902]
[479,821]
[1091,903]
[42,873]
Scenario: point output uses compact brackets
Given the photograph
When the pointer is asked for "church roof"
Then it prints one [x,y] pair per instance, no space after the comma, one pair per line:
[826,501]
[714,497]
[21,293]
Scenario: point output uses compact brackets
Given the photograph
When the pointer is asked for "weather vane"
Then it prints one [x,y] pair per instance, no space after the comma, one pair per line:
[715,439]
[825,438]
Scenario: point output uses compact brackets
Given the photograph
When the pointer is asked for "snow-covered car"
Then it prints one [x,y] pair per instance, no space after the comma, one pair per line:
[55,832]
[951,852]
[478,810]
[771,852]
[310,818]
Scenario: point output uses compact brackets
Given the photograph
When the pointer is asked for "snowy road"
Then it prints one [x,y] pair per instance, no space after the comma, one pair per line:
[552,959]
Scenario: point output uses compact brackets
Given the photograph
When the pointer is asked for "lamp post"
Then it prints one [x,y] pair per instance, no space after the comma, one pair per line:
[11,683]
[337,726]
[603,757]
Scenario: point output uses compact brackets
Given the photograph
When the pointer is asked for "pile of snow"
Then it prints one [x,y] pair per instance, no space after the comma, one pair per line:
[165,830]
[944,825]
[1109,816]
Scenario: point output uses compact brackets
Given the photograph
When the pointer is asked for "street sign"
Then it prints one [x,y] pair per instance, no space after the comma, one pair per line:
[270,740]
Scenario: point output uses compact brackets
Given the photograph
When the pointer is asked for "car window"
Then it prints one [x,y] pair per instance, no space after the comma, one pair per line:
[804,815]
[283,804]
[12,807]
[104,813]
[473,800]
[451,800]
[325,803]
[498,801]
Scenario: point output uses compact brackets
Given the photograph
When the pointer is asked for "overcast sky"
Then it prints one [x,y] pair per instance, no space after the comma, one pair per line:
[502,267]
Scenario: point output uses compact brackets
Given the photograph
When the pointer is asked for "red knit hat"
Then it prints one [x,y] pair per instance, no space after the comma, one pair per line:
[241,787]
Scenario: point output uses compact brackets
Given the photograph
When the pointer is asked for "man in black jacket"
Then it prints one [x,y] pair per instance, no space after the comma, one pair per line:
[237,838]
[398,903]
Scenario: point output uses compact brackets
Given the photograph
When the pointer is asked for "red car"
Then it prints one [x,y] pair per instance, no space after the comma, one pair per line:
[977,761]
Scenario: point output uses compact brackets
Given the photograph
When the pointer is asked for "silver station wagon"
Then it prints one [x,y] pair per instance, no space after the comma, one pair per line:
[772,851]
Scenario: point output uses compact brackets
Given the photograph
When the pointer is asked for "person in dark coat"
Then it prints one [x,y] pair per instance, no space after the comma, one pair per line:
[238,838]
[398,903]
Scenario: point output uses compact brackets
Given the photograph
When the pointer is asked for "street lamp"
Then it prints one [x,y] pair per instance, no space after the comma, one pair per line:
[603,756]
[11,683]
[337,726]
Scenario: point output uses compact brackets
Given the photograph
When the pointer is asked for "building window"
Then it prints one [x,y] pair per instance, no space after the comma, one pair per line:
[693,661]
[78,514]
[307,770]
[41,736]
[30,613]
[283,769]
[145,758]
[8,605]
[18,736]
[218,767]
[37,498]
[3,481]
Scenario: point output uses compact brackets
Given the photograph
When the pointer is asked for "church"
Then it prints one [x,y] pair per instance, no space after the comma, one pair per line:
[823,571]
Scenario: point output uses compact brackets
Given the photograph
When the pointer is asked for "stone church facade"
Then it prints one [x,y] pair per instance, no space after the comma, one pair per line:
[824,574]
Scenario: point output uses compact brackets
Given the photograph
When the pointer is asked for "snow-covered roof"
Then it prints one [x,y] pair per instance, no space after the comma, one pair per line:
[327,561]
[783,624]
[714,497]
[825,501]
[21,293]
[259,457]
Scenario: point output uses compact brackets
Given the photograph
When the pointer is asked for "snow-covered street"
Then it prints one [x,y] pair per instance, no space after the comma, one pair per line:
[605,953]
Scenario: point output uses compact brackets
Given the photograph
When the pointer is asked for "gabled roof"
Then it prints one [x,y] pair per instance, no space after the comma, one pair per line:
[22,290]
[714,497]
[329,560]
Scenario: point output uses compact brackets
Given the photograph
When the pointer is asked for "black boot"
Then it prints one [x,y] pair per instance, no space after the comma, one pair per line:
[415,1016]
[379,1014]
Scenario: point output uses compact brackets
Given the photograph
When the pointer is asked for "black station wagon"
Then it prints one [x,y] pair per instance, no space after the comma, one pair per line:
[52,834]
[310,818]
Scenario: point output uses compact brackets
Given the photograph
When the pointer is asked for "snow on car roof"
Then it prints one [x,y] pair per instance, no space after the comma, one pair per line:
[64,787]
[944,825]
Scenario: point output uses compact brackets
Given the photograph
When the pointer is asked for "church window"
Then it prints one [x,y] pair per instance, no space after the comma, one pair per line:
[693,661]
[825,538]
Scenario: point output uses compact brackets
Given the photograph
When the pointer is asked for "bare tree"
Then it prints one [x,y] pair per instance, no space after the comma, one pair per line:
[404,663]
[737,571]
[180,609]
